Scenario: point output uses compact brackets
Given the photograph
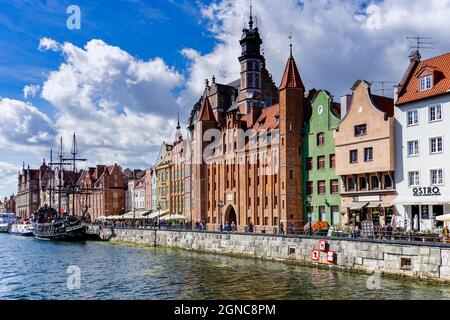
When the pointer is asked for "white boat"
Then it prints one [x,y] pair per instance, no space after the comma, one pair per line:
[6,220]
[22,228]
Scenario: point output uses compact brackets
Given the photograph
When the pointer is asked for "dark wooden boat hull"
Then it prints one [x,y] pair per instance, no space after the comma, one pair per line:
[63,233]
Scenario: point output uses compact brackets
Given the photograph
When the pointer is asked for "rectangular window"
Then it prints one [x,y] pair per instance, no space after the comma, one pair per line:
[413,117]
[322,214]
[437,177]
[413,178]
[413,148]
[322,187]
[309,164]
[362,183]
[334,186]
[321,162]
[387,182]
[368,154]
[360,130]
[332,161]
[353,156]
[351,184]
[375,182]
[310,188]
[425,83]
[436,145]
[435,113]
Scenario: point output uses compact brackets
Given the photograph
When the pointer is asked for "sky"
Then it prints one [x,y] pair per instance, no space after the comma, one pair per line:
[120,80]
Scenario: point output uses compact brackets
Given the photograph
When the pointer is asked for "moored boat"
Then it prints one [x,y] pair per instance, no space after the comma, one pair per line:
[22,227]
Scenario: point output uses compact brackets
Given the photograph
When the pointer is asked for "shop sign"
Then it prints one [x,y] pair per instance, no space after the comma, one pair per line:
[426,192]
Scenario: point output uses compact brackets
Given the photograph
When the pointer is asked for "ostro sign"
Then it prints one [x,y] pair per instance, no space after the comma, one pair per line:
[426,192]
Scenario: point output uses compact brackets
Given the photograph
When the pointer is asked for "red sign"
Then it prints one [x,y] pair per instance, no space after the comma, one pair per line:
[323,245]
[330,256]
[315,255]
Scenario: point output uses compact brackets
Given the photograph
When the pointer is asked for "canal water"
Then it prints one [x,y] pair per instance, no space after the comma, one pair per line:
[34,269]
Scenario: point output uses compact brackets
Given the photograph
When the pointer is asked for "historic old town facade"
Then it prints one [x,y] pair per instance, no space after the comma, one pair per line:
[365,157]
[321,185]
[422,149]
[104,189]
[250,174]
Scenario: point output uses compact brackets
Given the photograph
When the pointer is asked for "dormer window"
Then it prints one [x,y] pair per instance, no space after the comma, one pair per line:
[426,83]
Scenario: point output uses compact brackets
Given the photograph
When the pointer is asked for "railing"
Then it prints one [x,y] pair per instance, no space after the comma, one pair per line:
[379,235]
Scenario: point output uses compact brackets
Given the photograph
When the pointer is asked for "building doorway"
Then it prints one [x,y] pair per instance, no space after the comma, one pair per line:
[230,216]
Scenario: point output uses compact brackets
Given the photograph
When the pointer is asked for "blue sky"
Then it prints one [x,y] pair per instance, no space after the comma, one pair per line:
[120,80]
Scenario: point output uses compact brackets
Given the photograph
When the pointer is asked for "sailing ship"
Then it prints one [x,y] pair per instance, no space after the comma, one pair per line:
[58,224]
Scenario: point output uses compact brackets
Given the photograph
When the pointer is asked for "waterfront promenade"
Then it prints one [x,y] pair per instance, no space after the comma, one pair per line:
[415,259]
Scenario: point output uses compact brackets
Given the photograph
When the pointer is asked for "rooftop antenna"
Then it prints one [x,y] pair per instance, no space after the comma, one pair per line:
[250,23]
[383,83]
[421,43]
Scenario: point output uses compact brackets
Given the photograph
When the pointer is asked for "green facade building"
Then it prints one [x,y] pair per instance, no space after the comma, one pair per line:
[321,185]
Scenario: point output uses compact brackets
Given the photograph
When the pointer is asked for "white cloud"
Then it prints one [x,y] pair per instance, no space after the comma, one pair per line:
[120,107]
[31,91]
[8,178]
[333,44]
[49,44]
[24,127]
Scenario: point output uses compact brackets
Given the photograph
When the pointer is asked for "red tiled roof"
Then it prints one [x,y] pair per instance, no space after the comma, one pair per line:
[384,104]
[206,113]
[291,77]
[440,66]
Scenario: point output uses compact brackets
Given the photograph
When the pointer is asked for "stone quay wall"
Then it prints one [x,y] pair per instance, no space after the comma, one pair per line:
[418,260]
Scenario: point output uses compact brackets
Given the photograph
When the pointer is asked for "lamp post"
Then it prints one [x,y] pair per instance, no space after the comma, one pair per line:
[308,204]
[220,205]
[159,213]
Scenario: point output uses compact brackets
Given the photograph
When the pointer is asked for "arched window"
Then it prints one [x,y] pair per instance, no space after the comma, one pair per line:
[321,139]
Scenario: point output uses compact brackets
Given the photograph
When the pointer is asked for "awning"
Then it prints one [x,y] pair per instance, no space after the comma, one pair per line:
[139,214]
[357,206]
[173,217]
[445,217]
[379,204]
[157,214]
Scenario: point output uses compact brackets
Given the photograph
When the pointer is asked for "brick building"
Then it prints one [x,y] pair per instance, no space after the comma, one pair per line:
[104,191]
[251,171]
[29,190]
[8,205]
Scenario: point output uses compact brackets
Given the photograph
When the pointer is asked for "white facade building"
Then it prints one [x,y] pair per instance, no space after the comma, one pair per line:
[423,144]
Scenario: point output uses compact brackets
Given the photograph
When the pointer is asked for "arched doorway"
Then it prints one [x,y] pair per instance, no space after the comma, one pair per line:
[230,215]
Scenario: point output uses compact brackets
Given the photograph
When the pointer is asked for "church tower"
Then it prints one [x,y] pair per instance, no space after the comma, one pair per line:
[292,116]
[251,63]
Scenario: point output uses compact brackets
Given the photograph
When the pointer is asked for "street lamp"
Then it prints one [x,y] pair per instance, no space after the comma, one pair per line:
[308,204]
[159,213]
[220,205]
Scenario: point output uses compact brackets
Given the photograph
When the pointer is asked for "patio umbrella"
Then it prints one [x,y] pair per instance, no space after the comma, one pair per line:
[445,217]
[173,217]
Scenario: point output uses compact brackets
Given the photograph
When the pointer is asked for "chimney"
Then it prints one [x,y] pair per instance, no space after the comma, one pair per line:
[346,101]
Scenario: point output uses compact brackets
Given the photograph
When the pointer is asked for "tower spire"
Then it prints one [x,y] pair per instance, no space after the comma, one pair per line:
[290,43]
[250,23]
[178,122]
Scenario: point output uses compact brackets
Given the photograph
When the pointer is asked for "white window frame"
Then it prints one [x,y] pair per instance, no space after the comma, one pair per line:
[431,145]
[418,178]
[408,149]
[424,81]
[416,111]
[431,177]
[430,108]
